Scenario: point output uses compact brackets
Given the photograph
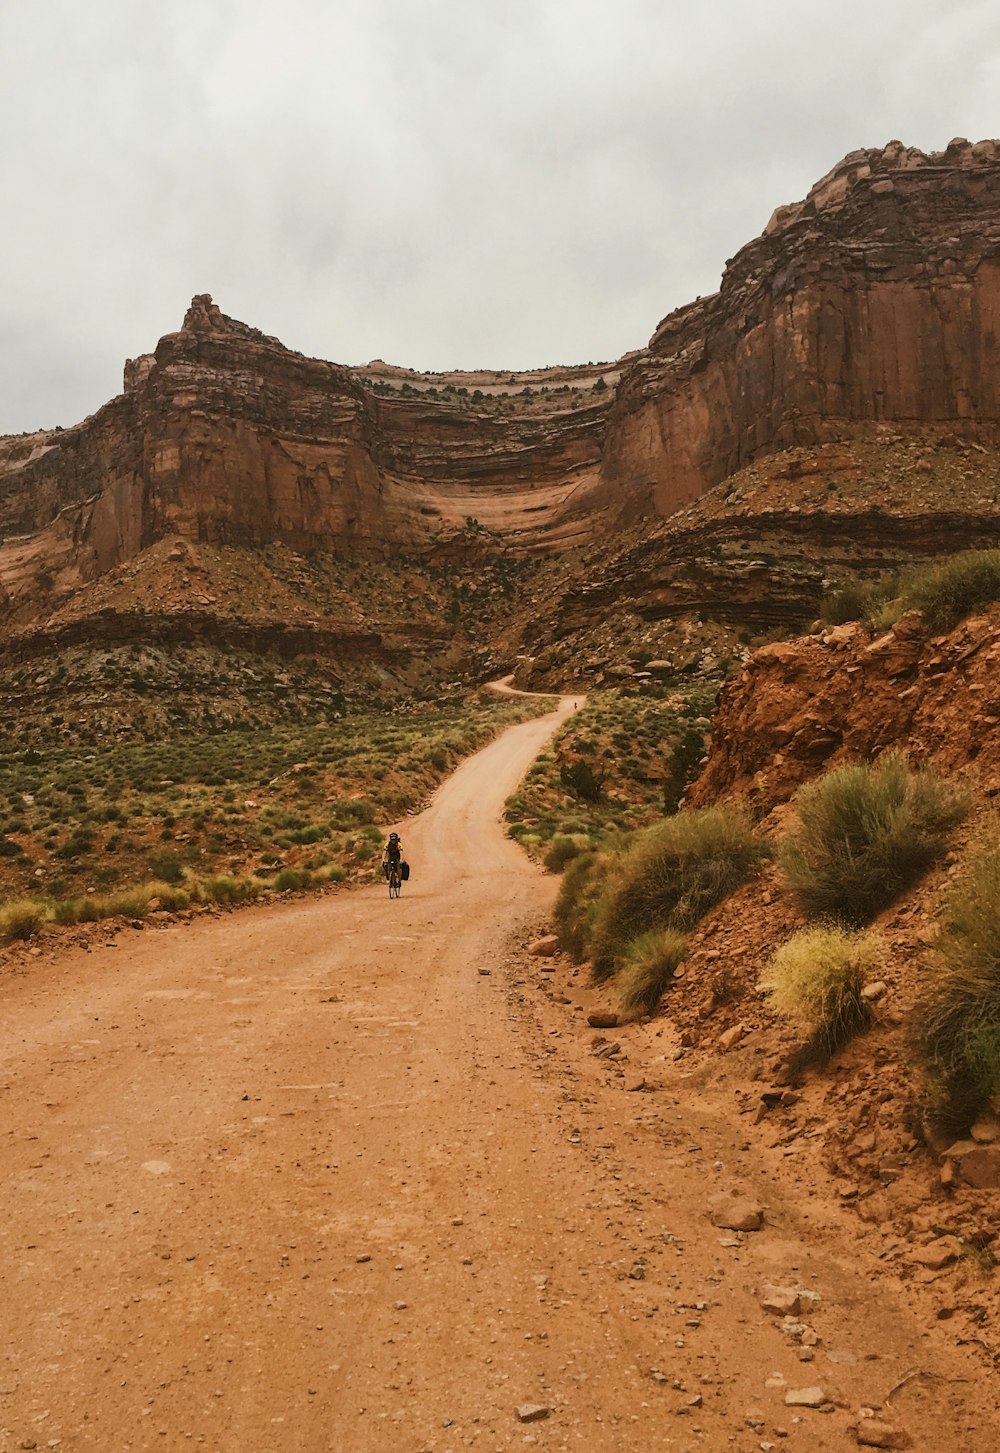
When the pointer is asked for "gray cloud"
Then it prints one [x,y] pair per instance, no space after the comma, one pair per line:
[436,182]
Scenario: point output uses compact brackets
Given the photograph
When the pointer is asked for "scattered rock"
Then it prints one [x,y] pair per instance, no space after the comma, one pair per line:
[785,1301]
[985,1131]
[545,947]
[634,1083]
[874,1433]
[602,1020]
[977,1165]
[731,1036]
[805,1397]
[871,992]
[735,1213]
[532,1412]
[939,1253]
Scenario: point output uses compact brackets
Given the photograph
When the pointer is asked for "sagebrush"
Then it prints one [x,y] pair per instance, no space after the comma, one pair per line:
[816,980]
[670,875]
[957,1020]
[867,832]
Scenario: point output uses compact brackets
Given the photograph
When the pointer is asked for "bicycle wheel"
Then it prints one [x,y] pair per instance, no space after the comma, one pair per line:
[393,883]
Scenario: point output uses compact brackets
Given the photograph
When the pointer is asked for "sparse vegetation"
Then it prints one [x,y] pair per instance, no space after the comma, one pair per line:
[943,592]
[957,1023]
[816,979]
[618,765]
[866,833]
[225,808]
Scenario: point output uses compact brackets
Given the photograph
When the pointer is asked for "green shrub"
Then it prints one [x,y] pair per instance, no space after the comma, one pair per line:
[647,970]
[22,918]
[957,1021]
[165,864]
[672,874]
[225,888]
[866,833]
[289,880]
[861,601]
[945,593]
[576,904]
[685,761]
[563,848]
[581,779]
[816,979]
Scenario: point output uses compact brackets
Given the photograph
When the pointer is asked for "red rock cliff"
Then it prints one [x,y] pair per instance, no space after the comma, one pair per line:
[877,298]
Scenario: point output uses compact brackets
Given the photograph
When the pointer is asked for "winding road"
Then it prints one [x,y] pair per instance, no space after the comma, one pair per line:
[338,1174]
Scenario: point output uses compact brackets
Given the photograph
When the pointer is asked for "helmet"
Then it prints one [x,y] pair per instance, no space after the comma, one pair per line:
[394,835]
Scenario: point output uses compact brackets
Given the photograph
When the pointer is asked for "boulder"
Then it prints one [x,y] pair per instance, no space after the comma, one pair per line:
[977,1165]
[733,1212]
[544,947]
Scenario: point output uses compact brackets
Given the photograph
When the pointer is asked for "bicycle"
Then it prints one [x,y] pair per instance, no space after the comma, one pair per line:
[395,882]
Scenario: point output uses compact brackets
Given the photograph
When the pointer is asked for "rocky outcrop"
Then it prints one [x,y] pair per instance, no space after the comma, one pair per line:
[802,706]
[871,300]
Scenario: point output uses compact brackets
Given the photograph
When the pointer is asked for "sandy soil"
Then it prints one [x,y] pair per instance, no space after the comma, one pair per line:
[345,1174]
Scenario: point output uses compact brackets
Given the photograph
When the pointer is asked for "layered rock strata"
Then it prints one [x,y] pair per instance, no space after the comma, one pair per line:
[876,298]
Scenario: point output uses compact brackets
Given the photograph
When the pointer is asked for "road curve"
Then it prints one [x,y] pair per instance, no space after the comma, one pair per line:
[332,1176]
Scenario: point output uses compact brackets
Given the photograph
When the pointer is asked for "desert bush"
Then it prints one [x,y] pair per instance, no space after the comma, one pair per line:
[685,760]
[581,780]
[945,593]
[816,979]
[866,833]
[672,874]
[575,907]
[563,848]
[859,600]
[165,864]
[289,880]
[956,1034]
[226,888]
[647,969]
[22,919]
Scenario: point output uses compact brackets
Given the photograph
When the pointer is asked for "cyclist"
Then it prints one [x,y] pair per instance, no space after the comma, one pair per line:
[392,853]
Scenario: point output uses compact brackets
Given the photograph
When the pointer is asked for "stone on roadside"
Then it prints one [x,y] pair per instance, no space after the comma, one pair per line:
[805,1397]
[532,1412]
[985,1130]
[634,1083]
[875,1433]
[730,1037]
[977,1165]
[544,947]
[602,1019]
[785,1301]
[939,1253]
[735,1213]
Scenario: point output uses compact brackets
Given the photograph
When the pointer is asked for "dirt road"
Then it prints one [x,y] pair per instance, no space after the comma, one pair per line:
[338,1175]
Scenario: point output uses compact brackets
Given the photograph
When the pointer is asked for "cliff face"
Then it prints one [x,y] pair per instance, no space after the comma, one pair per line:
[225,437]
[800,707]
[877,298]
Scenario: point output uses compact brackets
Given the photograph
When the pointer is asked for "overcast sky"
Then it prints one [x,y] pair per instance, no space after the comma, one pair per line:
[439,183]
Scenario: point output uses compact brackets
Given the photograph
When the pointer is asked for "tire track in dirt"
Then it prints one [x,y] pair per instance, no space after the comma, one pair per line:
[304,1177]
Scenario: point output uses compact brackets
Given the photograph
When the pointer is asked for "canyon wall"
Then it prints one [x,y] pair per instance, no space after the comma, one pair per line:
[877,298]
